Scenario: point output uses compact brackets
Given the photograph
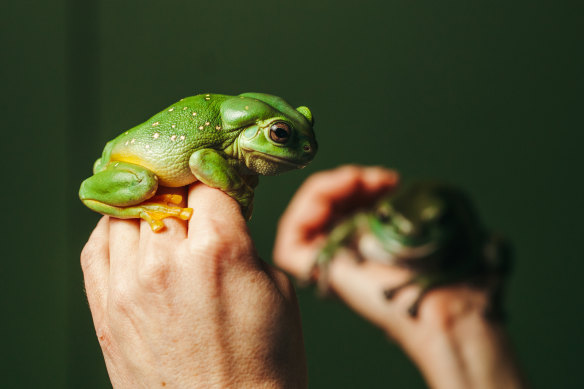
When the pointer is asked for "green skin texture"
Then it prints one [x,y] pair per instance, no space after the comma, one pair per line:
[222,141]
[432,229]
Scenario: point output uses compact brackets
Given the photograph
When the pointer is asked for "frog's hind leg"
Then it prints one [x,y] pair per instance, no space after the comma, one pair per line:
[126,191]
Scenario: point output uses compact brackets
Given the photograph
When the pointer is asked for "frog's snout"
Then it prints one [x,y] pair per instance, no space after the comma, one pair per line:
[309,149]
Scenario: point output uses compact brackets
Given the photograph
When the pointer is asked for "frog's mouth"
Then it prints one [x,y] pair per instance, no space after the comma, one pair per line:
[392,251]
[400,250]
[252,157]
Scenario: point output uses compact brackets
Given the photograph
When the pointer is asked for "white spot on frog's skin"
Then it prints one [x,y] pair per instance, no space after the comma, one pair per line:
[185,108]
[173,126]
[217,127]
[201,127]
[182,137]
[170,110]
[133,140]
[126,133]
[207,123]
[155,124]
[147,146]
[116,164]
[127,142]
[181,99]
[207,98]
[207,95]
[247,107]
[155,135]
[172,138]
[194,114]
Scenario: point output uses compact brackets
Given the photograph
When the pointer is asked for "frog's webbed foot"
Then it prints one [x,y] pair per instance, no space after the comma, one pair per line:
[151,212]
[390,293]
[413,309]
[155,211]
[494,310]
[126,191]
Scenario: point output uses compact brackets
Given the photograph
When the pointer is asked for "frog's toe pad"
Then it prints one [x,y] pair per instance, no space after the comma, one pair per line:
[390,293]
[186,213]
[175,199]
[156,225]
[413,310]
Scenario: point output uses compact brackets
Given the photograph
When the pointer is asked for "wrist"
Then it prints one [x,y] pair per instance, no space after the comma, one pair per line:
[458,347]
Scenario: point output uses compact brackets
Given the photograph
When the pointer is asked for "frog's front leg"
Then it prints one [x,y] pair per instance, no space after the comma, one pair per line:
[125,190]
[213,170]
[340,237]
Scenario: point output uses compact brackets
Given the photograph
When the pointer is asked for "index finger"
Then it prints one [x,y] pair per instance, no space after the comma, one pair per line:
[213,208]
[336,191]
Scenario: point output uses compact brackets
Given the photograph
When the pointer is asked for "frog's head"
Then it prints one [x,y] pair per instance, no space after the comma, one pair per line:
[423,217]
[274,136]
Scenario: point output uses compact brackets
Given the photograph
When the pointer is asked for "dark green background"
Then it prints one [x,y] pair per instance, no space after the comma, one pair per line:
[484,94]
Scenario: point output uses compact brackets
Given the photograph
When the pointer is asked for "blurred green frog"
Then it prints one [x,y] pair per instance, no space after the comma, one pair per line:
[432,229]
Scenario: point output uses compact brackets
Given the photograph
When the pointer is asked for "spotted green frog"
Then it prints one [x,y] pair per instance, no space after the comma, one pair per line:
[223,141]
[430,228]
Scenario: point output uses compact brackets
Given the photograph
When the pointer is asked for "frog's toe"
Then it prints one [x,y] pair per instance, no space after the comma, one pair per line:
[390,293]
[155,212]
[170,198]
[185,213]
[413,309]
[247,211]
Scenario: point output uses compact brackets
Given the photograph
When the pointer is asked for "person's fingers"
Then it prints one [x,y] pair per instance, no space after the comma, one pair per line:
[213,205]
[337,190]
[217,227]
[95,265]
[124,236]
[315,207]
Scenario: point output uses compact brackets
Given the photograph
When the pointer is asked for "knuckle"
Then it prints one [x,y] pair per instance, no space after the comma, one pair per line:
[121,298]
[154,272]
[282,283]
[213,240]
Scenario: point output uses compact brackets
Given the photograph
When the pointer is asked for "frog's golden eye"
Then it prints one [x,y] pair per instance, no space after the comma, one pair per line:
[280,132]
[383,215]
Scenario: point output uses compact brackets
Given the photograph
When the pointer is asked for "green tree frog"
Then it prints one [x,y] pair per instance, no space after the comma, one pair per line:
[430,228]
[223,141]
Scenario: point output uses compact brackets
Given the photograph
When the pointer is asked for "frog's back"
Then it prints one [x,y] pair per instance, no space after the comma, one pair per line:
[164,143]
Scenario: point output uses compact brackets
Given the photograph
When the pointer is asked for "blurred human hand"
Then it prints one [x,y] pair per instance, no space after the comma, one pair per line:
[192,306]
[451,341]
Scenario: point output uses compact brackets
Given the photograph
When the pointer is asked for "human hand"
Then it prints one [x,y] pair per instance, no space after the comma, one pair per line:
[191,306]
[451,342]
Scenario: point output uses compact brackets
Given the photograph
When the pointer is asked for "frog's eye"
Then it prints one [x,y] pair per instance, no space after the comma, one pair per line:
[280,132]
[383,215]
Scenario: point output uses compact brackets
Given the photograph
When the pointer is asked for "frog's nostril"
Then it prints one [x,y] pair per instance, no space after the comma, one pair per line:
[308,148]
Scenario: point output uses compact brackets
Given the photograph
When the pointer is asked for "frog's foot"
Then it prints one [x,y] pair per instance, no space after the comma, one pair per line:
[413,309]
[494,310]
[154,212]
[168,198]
[391,292]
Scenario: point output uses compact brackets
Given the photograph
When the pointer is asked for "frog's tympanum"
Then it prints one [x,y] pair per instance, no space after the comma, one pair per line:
[432,229]
[223,141]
